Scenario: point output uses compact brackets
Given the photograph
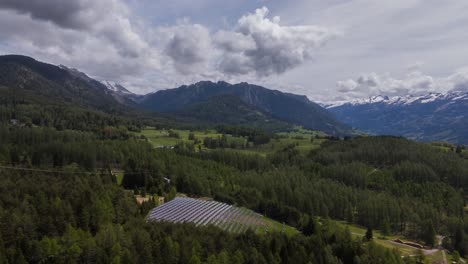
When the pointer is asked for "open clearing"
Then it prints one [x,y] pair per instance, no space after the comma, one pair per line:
[304,140]
[161,137]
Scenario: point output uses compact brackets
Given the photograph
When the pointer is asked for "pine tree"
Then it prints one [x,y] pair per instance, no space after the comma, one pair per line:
[429,234]
[369,234]
[386,230]
[310,227]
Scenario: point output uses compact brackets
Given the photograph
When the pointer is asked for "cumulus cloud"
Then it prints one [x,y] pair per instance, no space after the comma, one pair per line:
[189,48]
[459,80]
[257,46]
[373,84]
[414,82]
[262,46]
[234,42]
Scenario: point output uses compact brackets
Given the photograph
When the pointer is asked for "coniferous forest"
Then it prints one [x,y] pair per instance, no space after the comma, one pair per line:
[60,203]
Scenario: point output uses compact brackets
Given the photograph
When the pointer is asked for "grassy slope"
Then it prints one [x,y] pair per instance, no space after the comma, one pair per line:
[161,137]
[305,145]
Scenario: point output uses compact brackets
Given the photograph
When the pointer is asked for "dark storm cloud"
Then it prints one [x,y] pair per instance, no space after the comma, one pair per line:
[108,20]
[67,14]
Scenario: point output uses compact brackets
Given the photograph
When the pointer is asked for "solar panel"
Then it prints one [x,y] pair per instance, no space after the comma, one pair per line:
[200,212]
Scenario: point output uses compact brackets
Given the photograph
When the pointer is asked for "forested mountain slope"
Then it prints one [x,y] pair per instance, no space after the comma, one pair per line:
[290,108]
[230,109]
[41,94]
[26,77]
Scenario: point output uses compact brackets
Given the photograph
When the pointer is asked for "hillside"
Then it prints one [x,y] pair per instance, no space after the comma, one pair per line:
[229,109]
[290,108]
[29,79]
[432,117]
[41,94]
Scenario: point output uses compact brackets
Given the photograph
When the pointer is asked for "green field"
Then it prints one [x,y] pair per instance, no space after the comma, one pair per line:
[302,132]
[305,140]
[119,176]
[161,138]
[303,145]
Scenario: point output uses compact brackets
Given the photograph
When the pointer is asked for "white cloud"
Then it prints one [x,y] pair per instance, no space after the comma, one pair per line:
[234,42]
[414,82]
[459,80]
[262,46]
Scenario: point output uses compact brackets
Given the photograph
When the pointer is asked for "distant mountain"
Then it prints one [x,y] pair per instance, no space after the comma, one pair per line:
[272,104]
[431,117]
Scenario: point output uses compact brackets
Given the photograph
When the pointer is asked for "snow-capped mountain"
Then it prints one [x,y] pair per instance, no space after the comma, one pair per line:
[115,87]
[121,93]
[405,100]
[430,117]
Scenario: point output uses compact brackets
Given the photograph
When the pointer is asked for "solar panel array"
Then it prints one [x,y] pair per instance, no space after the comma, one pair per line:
[201,213]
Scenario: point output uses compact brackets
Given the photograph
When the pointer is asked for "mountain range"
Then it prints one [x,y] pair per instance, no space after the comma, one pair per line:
[429,117]
[203,103]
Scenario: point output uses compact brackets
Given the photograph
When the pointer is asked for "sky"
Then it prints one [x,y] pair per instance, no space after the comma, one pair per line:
[329,50]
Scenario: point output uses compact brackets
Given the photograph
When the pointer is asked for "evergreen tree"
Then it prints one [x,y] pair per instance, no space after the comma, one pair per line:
[429,234]
[386,229]
[369,234]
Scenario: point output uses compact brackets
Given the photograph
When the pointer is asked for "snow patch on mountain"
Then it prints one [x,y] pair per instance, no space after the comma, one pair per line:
[115,87]
[404,100]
